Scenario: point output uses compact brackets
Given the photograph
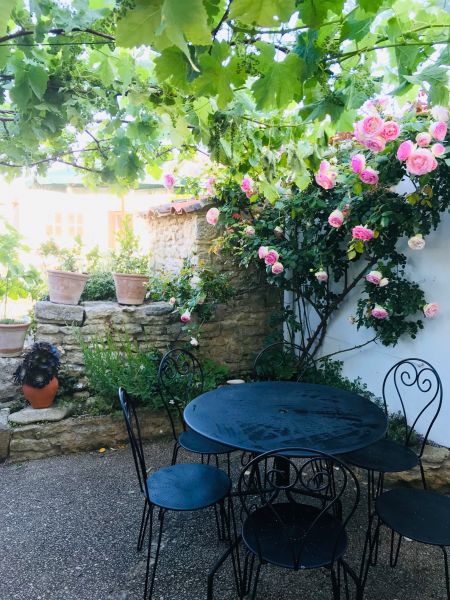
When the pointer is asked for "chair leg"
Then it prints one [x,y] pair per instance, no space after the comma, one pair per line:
[175,453]
[149,552]
[393,557]
[375,489]
[143,527]
[447,582]
[335,584]
[255,582]
[366,560]
[422,474]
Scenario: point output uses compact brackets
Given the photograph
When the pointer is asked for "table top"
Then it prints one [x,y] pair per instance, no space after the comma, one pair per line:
[264,416]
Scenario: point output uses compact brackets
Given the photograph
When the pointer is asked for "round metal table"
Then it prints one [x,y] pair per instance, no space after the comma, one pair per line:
[264,416]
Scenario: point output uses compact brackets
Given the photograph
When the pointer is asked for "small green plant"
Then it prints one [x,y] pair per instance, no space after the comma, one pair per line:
[16,280]
[214,374]
[129,258]
[196,289]
[65,259]
[110,364]
[99,286]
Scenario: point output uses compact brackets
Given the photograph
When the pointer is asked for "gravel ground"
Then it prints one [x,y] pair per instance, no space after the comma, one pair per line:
[68,528]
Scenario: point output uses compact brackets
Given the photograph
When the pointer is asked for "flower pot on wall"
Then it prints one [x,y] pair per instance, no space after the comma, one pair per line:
[12,338]
[41,397]
[65,287]
[130,289]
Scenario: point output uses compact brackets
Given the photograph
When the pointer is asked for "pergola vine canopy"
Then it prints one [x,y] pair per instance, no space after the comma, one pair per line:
[112,88]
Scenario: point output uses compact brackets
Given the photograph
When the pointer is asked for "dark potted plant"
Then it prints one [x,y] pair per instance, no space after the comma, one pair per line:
[37,374]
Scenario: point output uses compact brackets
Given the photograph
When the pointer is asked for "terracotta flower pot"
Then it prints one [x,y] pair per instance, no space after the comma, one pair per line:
[12,338]
[41,397]
[65,287]
[130,289]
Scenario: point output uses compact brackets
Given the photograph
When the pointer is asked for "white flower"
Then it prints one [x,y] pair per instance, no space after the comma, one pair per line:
[195,280]
[383,282]
[194,342]
[439,113]
[416,242]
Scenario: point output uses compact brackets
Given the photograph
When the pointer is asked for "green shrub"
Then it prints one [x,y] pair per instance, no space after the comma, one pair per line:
[110,364]
[99,286]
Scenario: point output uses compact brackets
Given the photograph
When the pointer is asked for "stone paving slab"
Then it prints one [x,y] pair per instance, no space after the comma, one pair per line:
[68,527]
[29,415]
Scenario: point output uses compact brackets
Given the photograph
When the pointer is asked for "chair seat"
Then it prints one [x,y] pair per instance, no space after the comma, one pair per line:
[194,442]
[420,515]
[279,545]
[188,486]
[384,456]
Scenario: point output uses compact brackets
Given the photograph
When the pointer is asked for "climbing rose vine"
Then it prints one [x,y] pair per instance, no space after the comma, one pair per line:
[374,196]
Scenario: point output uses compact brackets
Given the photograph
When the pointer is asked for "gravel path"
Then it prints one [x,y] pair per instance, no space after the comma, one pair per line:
[68,527]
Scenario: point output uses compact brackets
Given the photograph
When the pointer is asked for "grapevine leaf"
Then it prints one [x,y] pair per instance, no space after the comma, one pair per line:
[263,12]
[6,7]
[281,84]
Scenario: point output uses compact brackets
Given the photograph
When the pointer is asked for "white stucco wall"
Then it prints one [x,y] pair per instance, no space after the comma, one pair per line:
[431,269]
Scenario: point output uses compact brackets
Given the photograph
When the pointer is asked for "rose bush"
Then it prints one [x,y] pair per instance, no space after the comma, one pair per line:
[339,234]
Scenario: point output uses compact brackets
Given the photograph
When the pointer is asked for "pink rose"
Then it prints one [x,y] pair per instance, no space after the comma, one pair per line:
[440,113]
[169,181]
[423,139]
[369,176]
[246,184]
[358,163]
[326,177]
[438,149]
[378,312]
[249,230]
[431,310]
[374,277]
[212,216]
[321,276]
[376,144]
[277,268]
[185,317]
[416,242]
[336,218]
[362,233]
[210,185]
[405,149]
[358,132]
[438,130]
[390,131]
[325,181]
[372,125]
[420,161]
[172,301]
[271,257]
[262,252]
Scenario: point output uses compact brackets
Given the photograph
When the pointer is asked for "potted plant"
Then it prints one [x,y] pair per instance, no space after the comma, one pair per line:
[16,281]
[130,266]
[37,374]
[66,282]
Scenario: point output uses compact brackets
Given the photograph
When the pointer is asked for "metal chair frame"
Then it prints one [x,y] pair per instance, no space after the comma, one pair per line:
[179,365]
[283,353]
[406,374]
[148,517]
[275,480]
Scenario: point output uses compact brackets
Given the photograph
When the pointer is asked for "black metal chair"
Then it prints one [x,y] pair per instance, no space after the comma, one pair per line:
[419,515]
[294,514]
[386,455]
[182,487]
[180,378]
[282,361]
